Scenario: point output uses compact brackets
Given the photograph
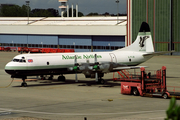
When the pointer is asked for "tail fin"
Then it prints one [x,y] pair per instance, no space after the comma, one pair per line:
[143,41]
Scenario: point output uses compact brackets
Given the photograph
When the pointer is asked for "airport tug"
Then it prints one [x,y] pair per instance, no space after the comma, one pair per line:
[145,84]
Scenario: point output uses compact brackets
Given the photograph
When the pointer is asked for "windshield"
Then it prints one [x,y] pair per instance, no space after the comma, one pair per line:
[18,60]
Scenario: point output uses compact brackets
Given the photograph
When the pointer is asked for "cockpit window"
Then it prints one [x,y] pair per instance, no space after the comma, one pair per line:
[19,60]
[15,60]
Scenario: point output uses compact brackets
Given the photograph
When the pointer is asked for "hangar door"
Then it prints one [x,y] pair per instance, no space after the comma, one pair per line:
[29,41]
[42,41]
[102,43]
[79,43]
[13,40]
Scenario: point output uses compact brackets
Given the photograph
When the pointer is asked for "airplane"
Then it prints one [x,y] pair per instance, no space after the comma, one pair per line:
[91,64]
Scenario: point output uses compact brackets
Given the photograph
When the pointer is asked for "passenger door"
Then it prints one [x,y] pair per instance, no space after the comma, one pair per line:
[113,57]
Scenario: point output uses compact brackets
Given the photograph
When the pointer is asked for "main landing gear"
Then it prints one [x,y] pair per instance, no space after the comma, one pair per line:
[101,81]
[61,78]
[46,78]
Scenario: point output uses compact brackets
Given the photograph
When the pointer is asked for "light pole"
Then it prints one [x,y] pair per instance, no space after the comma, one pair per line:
[42,44]
[109,46]
[117,1]
[74,45]
[27,4]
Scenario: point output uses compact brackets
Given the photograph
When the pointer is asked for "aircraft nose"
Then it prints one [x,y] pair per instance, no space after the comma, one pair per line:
[8,69]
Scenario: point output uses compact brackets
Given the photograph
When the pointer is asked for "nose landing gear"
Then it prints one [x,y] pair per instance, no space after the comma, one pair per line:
[23,84]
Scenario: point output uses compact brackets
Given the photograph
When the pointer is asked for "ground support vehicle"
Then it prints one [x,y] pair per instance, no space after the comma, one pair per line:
[145,84]
[7,49]
[43,50]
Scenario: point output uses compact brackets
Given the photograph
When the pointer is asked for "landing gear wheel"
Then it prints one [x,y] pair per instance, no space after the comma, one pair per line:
[24,84]
[50,78]
[43,78]
[135,92]
[101,81]
[61,78]
[165,96]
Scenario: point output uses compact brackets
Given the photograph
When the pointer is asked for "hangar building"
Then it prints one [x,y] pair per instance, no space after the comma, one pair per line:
[163,16]
[81,34]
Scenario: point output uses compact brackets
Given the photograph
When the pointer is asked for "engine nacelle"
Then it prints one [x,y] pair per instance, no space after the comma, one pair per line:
[104,67]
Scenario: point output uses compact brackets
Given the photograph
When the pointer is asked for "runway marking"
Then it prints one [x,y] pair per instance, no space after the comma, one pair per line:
[4,113]
[157,118]
[79,114]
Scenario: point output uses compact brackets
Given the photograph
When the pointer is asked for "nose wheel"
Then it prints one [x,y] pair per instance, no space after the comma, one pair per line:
[23,84]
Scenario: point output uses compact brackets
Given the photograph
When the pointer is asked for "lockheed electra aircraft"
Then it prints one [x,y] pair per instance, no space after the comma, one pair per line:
[91,64]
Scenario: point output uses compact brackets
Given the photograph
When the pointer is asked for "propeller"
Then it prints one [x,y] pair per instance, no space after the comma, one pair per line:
[96,67]
[75,68]
[82,67]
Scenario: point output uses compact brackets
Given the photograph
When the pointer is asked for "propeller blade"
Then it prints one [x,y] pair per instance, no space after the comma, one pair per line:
[96,76]
[76,79]
[95,58]
[75,68]
[75,59]
[96,67]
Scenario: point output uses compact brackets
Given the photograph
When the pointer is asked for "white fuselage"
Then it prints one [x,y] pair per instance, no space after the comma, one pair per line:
[59,63]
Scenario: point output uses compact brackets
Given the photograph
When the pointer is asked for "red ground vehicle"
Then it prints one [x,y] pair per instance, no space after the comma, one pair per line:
[33,50]
[13,48]
[146,84]
[1,48]
[68,50]
[7,49]
[23,49]
[43,50]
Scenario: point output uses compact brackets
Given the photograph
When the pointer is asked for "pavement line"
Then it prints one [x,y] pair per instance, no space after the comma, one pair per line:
[78,114]
[157,118]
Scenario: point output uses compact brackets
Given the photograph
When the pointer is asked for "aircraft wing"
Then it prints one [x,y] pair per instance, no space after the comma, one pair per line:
[104,67]
[90,69]
[157,53]
[128,67]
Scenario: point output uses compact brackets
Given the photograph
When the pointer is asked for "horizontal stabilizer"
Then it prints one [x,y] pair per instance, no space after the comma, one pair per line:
[157,53]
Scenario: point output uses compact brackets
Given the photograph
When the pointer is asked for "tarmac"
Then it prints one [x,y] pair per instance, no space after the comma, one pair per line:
[85,100]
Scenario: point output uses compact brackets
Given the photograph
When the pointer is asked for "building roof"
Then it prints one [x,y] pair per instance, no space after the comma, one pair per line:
[64,26]
[63,20]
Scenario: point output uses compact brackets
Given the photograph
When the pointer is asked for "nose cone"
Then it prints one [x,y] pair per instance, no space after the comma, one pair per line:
[9,68]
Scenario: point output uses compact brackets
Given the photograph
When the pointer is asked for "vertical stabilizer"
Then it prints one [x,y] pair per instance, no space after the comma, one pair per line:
[143,42]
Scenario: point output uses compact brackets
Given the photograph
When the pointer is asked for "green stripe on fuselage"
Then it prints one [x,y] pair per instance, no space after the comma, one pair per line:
[37,67]
[55,66]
